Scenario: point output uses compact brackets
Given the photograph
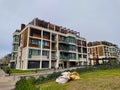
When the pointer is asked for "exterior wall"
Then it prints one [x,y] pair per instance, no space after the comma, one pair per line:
[102,52]
[41,46]
[14,53]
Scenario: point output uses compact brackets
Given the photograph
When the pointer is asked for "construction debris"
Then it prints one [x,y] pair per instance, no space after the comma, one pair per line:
[67,76]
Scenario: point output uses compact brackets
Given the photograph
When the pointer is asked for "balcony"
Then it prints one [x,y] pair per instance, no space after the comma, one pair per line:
[36,57]
[46,35]
[35,43]
[67,56]
[67,47]
[53,57]
[82,59]
[70,40]
[35,33]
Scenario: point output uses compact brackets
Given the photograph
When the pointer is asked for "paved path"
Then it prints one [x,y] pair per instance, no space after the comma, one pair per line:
[6,82]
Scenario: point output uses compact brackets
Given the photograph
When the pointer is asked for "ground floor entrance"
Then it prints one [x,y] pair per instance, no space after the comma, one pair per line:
[67,64]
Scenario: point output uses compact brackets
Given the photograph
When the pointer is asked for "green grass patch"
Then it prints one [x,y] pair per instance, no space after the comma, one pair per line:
[51,85]
[97,80]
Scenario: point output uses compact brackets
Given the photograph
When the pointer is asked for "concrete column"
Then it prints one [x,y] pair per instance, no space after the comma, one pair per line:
[68,64]
[27,50]
[82,63]
[41,49]
[57,54]
[50,50]
[77,59]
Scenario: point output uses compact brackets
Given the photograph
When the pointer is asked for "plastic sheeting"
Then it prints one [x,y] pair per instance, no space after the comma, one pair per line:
[66,76]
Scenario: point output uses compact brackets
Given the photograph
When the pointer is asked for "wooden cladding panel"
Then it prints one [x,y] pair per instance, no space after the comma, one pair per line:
[35,35]
[112,54]
[94,52]
[19,40]
[33,45]
[25,39]
[100,50]
[51,26]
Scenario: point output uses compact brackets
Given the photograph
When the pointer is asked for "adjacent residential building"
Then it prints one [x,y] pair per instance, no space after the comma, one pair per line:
[15,46]
[101,52]
[41,44]
[6,60]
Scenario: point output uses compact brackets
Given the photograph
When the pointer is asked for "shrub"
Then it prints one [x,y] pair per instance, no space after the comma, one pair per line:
[6,69]
[53,76]
[24,84]
[40,80]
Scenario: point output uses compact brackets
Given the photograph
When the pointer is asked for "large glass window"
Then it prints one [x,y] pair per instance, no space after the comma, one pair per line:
[14,56]
[45,64]
[46,35]
[15,47]
[67,47]
[45,43]
[68,39]
[45,53]
[34,52]
[71,40]
[67,56]
[35,42]
[16,38]
[33,64]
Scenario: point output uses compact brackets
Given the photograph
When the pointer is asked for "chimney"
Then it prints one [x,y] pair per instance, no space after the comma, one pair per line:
[22,26]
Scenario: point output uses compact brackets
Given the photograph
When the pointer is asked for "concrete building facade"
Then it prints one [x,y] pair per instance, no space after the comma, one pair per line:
[15,46]
[41,44]
[100,52]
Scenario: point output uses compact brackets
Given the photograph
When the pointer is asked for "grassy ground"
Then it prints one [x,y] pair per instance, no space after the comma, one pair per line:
[99,80]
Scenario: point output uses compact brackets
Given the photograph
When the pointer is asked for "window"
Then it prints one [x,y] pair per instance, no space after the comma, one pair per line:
[45,43]
[45,53]
[46,35]
[16,38]
[15,47]
[33,64]
[33,52]
[14,56]
[35,42]
[35,32]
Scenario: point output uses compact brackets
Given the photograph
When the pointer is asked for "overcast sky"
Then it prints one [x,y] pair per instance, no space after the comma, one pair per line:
[95,19]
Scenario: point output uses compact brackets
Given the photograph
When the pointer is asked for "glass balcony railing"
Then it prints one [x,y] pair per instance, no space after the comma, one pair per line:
[68,39]
[67,47]
[68,56]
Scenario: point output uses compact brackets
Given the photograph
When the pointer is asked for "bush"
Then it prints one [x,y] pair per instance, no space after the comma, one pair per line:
[24,84]
[6,69]
[41,79]
[53,76]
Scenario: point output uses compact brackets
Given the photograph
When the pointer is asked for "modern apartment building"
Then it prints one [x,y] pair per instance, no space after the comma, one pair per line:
[15,45]
[101,52]
[41,44]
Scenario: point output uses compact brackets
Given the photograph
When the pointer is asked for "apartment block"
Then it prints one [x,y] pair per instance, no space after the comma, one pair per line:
[41,44]
[5,60]
[15,46]
[100,52]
